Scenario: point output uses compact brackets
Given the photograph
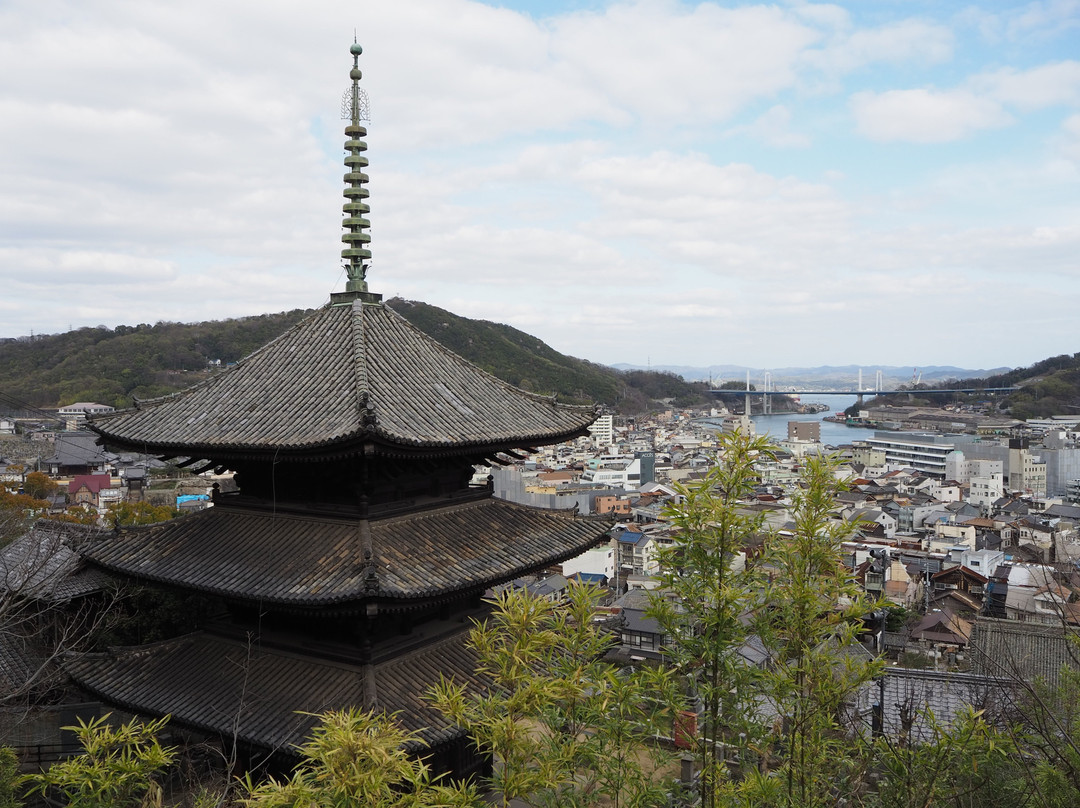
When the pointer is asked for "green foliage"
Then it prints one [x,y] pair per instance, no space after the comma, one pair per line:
[810,615]
[9,778]
[117,769]
[1050,387]
[897,617]
[708,591]
[564,727]
[115,366]
[523,360]
[966,765]
[1049,733]
[357,759]
[39,485]
[798,600]
[111,366]
[512,355]
[128,514]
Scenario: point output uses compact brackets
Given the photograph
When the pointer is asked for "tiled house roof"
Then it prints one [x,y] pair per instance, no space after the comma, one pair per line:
[1022,651]
[220,684]
[306,560]
[347,376]
[42,566]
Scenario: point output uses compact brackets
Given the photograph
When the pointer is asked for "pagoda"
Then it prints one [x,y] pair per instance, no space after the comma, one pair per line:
[352,558]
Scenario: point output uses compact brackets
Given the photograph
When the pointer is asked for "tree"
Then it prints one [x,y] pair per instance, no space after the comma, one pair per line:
[9,778]
[564,727]
[809,617]
[970,763]
[709,590]
[1047,730]
[41,617]
[357,758]
[82,514]
[16,506]
[127,514]
[119,766]
[39,485]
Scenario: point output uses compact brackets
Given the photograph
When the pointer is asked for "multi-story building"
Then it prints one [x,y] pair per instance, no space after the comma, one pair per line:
[1027,472]
[602,431]
[907,450]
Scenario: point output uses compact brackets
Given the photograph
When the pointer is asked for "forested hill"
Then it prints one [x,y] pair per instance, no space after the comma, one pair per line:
[526,362]
[110,366]
[113,366]
[1049,387]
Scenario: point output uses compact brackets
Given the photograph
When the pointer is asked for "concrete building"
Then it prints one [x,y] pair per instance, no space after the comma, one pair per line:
[804,430]
[1027,472]
[907,450]
[602,431]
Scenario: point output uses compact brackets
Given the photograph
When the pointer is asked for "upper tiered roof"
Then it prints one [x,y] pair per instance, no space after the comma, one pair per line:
[351,378]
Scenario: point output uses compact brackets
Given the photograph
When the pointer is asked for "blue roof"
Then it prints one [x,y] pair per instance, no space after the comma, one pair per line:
[631,536]
[590,577]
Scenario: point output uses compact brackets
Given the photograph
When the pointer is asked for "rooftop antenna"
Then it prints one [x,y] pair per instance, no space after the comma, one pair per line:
[354,108]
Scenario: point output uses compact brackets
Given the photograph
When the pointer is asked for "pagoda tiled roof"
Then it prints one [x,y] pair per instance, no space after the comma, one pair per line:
[309,561]
[269,697]
[1024,651]
[348,376]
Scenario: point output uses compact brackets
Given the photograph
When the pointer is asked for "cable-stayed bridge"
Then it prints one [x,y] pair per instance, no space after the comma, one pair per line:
[768,392]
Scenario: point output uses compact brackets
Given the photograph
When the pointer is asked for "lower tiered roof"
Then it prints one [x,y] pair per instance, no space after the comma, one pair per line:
[271,698]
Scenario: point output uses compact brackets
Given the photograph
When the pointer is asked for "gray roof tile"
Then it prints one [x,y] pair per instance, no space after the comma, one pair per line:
[270,697]
[305,560]
[346,376]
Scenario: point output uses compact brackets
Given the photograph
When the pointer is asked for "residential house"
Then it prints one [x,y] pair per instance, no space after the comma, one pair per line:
[94,490]
[78,453]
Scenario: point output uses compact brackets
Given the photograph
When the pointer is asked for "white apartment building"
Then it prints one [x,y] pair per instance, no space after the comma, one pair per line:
[959,468]
[613,471]
[985,491]
[602,430]
[911,451]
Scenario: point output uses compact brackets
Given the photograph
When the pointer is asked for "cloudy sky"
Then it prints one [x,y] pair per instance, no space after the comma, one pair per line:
[654,182]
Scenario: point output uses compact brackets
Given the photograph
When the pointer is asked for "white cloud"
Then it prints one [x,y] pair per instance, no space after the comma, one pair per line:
[665,62]
[924,116]
[1043,18]
[573,174]
[774,127]
[904,42]
[1069,139]
[1037,88]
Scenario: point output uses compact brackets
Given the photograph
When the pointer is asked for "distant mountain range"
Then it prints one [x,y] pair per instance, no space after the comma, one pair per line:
[838,376]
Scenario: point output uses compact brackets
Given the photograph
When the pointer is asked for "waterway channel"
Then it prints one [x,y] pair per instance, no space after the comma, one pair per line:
[832,434]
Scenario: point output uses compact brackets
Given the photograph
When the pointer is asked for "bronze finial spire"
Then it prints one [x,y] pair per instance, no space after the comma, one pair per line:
[354,108]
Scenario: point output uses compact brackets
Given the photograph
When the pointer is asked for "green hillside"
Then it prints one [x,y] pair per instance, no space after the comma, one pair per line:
[1048,387]
[513,355]
[111,366]
[526,362]
[115,366]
